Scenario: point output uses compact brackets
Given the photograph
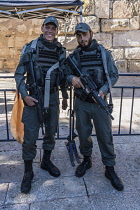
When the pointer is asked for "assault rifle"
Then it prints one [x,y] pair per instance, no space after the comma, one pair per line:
[90,88]
[36,92]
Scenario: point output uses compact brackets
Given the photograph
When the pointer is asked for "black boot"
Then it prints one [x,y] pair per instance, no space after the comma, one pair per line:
[28,176]
[47,164]
[115,180]
[86,164]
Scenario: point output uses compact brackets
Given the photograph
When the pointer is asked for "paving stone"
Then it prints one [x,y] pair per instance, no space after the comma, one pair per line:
[65,167]
[128,162]
[3,191]
[14,172]
[10,145]
[13,157]
[126,139]
[15,207]
[77,203]
[11,172]
[127,149]
[98,183]
[60,153]
[47,190]
[117,201]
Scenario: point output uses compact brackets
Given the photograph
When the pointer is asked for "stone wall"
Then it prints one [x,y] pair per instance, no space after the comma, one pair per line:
[115,23]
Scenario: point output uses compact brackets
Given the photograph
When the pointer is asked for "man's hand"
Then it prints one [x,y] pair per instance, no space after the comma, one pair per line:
[101,94]
[30,101]
[76,82]
[64,104]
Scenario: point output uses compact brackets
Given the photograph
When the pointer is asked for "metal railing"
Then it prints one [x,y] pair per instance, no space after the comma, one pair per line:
[129,111]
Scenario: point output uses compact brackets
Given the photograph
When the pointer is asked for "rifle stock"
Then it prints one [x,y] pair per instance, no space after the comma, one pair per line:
[37,94]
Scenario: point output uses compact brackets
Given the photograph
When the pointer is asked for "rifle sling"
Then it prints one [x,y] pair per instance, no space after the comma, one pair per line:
[47,85]
[106,72]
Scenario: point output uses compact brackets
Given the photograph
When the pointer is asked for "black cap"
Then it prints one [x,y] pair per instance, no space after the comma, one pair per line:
[83,27]
[51,19]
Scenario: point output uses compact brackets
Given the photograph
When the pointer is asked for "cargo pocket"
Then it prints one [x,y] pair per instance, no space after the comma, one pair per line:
[98,77]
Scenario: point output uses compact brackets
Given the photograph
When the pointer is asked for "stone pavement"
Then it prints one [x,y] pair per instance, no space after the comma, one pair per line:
[67,192]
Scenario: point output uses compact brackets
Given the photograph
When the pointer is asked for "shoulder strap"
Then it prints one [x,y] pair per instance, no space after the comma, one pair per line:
[34,43]
[103,54]
[47,85]
[23,50]
[33,47]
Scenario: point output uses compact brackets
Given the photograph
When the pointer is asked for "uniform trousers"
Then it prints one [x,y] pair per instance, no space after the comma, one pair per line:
[88,114]
[31,127]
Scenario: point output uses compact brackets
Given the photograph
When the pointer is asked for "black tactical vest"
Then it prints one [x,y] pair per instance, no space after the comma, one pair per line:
[91,63]
[45,56]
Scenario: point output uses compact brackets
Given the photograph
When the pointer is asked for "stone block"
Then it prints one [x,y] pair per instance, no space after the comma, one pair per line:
[116,200]
[88,7]
[102,8]
[1,64]
[120,24]
[11,41]
[10,63]
[13,145]
[134,66]
[102,185]
[132,53]
[30,32]
[4,52]
[61,153]
[36,22]
[81,203]
[93,22]
[37,31]
[20,41]
[99,183]
[22,29]
[16,172]
[29,39]
[4,20]
[16,207]
[44,190]
[130,38]
[14,157]
[12,52]
[68,26]
[135,23]
[122,9]
[118,54]
[128,150]
[114,25]
[104,39]
[136,10]
[3,29]
[4,41]
[3,190]
[121,65]
[71,45]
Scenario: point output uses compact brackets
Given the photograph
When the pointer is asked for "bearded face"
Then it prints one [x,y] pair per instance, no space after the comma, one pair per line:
[84,38]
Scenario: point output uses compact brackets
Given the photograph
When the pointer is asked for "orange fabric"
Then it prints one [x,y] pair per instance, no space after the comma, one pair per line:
[16,126]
